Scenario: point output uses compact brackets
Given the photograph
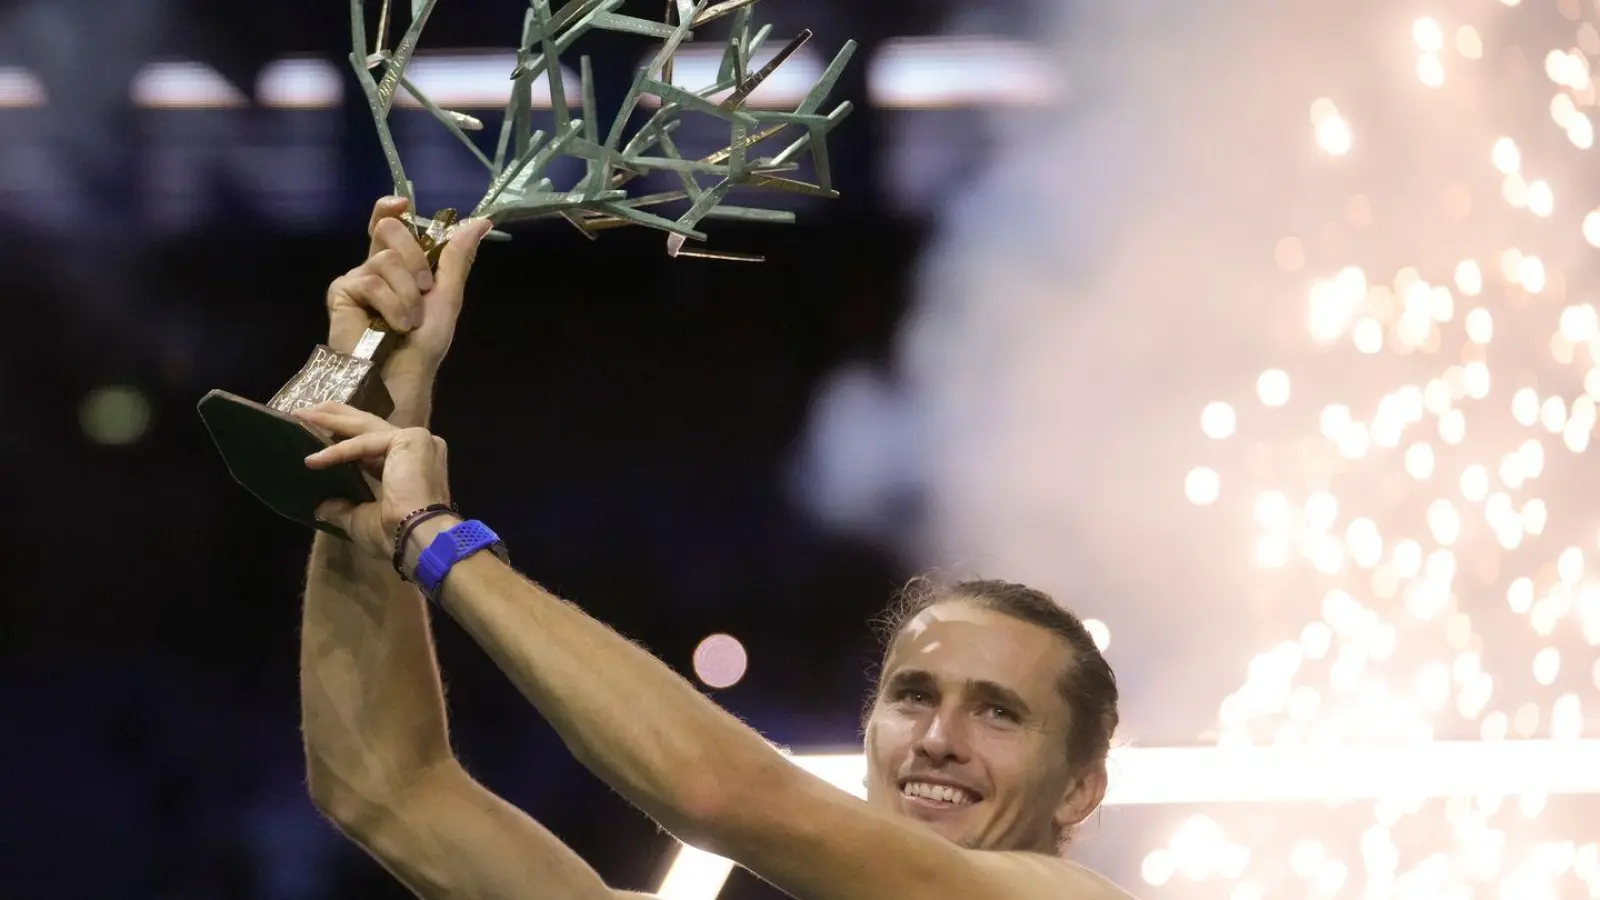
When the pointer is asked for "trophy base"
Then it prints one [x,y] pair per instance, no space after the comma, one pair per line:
[266,450]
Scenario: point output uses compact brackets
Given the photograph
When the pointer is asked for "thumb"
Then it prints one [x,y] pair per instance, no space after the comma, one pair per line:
[455,261]
[334,517]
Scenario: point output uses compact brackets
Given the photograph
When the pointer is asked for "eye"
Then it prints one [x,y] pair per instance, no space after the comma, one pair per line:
[911,695]
[995,711]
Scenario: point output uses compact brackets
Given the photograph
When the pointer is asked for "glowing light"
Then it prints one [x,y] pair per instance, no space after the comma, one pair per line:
[116,415]
[1480,326]
[184,85]
[1273,387]
[1185,775]
[1444,522]
[1506,157]
[1272,509]
[1322,509]
[1100,631]
[1530,274]
[1332,131]
[1541,199]
[1525,407]
[1367,335]
[1591,227]
[20,88]
[1428,35]
[1157,868]
[938,73]
[1419,461]
[1430,70]
[1453,427]
[720,661]
[1579,323]
[1546,666]
[1407,513]
[1202,486]
[1218,421]
[1580,130]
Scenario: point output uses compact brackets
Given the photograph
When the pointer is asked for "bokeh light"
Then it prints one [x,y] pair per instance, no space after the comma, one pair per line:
[720,661]
[1413,521]
[1100,631]
[115,415]
[1218,421]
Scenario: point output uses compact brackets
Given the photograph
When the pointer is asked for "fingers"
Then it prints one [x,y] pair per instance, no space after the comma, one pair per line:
[455,261]
[397,236]
[368,449]
[387,208]
[362,524]
[343,421]
[369,290]
[333,516]
[402,281]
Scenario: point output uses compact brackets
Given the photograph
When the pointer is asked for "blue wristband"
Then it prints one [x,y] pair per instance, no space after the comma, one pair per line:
[450,547]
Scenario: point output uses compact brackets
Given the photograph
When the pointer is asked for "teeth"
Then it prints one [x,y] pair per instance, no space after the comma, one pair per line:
[939,792]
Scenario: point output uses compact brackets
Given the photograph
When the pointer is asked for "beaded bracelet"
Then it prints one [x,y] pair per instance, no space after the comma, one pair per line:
[410,523]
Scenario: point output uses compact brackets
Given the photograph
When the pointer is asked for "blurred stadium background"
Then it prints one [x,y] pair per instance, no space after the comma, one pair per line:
[1261,333]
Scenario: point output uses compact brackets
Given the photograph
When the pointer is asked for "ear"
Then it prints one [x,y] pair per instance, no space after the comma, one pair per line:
[1082,797]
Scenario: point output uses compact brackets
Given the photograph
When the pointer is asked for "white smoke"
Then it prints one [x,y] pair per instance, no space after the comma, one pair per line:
[1109,273]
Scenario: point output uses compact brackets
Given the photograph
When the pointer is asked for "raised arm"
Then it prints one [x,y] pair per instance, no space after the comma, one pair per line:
[698,771]
[378,757]
[711,779]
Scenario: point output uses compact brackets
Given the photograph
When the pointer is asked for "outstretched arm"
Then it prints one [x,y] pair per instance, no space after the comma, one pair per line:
[372,709]
[644,730]
[378,757]
[709,778]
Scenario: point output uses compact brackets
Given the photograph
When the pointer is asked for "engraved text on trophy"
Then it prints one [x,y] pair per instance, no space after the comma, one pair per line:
[331,376]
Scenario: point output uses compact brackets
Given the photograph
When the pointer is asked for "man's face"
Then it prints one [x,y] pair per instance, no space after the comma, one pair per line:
[968,733]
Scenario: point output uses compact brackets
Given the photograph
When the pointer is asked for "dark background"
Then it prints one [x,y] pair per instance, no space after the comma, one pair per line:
[623,418]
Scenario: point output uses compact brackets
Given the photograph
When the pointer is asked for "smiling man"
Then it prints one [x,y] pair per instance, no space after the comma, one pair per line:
[992,718]
[986,738]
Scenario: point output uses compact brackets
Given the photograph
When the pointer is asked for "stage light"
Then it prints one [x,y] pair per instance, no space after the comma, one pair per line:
[20,88]
[184,85]
[941,73]
[1141,776]
[300,84]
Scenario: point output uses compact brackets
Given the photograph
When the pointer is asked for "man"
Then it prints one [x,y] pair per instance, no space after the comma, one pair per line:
[986,741]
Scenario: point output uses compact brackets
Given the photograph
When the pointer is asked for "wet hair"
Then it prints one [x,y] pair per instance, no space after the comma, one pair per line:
[1087,685]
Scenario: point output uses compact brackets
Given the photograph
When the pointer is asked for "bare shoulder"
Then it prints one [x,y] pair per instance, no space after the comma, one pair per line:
[1052,878]
[1105,887]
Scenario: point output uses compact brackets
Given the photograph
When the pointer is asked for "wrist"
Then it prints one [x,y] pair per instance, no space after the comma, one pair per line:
[423,535]
[412,391]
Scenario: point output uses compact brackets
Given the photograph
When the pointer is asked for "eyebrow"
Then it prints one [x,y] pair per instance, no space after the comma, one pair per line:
[985,691]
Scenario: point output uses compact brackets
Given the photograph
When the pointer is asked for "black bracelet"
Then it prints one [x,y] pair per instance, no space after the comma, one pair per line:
[410,523]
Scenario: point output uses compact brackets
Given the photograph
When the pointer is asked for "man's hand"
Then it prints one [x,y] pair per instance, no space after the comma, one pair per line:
[396,284]
[410,463]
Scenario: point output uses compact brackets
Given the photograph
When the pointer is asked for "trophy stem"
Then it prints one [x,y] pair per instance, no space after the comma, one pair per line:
[437,234]
[383,30]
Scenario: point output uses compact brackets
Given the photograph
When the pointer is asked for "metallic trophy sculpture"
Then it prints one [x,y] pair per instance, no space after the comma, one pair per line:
[264,447]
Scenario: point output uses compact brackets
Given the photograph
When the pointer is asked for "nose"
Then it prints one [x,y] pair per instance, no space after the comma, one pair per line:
[944,738]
